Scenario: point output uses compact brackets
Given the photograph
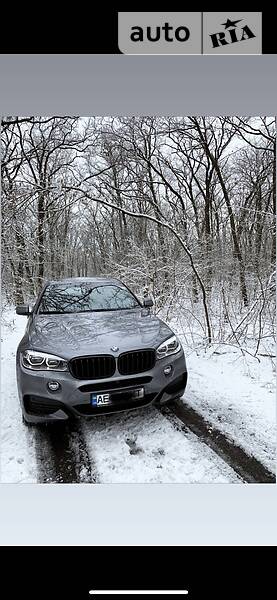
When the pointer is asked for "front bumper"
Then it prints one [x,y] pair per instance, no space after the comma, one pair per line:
[74,397]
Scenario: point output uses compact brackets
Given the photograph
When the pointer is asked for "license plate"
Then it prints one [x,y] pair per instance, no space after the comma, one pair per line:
[100,399]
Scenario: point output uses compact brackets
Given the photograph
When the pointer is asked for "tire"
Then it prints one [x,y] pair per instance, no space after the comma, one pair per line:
[177,397]
[26,423]
[171,399]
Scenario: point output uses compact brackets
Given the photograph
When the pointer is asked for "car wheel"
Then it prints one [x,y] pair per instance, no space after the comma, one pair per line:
[175,399]
[26,423]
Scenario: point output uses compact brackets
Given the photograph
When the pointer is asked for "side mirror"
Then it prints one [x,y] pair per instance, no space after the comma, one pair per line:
[23,309]
[148,302]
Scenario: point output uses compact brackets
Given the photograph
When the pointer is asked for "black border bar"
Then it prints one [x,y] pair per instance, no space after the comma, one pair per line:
[75,32]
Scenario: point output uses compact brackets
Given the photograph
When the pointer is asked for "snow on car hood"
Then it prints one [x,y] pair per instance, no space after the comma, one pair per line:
[79,334]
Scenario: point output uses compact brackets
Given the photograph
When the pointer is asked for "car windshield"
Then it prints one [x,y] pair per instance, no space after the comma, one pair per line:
[58,298]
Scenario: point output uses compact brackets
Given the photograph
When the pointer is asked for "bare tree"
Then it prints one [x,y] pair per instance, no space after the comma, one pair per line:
[183,207]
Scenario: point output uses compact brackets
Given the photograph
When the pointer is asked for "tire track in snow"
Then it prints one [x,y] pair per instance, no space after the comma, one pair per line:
[185,418]
[62,454]
[142,446]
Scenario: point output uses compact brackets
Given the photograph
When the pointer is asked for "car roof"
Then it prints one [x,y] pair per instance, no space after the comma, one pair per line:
[90,280]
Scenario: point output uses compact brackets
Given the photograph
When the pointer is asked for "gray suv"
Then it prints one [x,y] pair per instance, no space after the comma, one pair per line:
[91,348]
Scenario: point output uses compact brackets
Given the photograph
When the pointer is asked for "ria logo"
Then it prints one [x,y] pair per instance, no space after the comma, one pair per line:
[232,33]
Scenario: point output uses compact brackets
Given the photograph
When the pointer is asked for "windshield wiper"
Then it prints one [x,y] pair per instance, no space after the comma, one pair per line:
[55,312]
[77,312]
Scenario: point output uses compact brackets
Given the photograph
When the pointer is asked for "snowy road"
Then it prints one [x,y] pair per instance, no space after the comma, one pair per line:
[143,446]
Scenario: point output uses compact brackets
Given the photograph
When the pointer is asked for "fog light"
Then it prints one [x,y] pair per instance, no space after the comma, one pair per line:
[168,370]
[53,386]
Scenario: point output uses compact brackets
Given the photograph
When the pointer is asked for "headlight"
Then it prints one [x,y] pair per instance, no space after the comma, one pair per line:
[170,346]
[39,361]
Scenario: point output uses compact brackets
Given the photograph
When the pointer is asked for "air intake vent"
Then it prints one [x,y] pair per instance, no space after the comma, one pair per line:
[138,361]
[36,405]
[92,367]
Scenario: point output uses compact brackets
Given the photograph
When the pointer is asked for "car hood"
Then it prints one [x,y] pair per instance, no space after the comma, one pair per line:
[82,334]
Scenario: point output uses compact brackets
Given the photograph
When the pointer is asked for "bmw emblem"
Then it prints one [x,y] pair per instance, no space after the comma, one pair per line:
[114,348]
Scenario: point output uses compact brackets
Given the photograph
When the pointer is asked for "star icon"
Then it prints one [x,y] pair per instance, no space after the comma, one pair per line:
[230,23]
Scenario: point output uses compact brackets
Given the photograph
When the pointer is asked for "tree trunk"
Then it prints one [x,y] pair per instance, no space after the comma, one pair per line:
[40,240]
[237,250]
[273,247]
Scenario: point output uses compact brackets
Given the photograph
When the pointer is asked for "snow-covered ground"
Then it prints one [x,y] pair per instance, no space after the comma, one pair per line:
[143,446]
[238,396]
[17,452]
